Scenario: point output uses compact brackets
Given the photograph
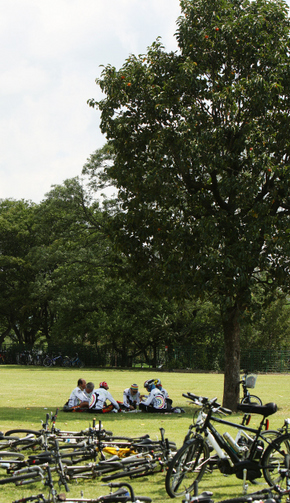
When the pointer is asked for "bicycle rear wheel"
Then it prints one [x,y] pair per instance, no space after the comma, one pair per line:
[252,400]
[276,462]
[187,466]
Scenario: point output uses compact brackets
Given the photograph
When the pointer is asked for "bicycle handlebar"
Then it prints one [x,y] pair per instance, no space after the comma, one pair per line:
[203,400]
[122,484]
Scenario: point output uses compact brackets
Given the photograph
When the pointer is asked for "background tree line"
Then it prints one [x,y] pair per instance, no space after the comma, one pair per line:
[63,282]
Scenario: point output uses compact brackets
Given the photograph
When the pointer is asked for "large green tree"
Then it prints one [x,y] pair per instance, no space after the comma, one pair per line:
[21,313]
[79,279]
[201,159]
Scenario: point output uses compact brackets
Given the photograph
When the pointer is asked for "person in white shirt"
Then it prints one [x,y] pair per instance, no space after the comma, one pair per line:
[155,402]
[77,396]
[131,397]
[168,400]
[99,398]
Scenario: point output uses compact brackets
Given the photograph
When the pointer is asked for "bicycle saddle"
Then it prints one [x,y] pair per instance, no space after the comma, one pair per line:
[264,410]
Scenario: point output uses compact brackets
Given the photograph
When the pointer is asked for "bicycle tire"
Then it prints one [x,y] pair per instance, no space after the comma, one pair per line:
[74,472]
[184,467]
[66,452]
[141,471]
[252,400]
[270,435]
[10,454]
[18,478]
[22,432]
[274,459]
[47,362]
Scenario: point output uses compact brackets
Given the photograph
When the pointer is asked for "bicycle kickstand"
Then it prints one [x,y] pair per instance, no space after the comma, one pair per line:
[245,485]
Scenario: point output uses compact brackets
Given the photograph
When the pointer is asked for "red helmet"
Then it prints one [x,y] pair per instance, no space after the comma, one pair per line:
[103,384]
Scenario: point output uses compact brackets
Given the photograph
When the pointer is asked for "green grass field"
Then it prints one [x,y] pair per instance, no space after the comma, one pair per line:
[28,393]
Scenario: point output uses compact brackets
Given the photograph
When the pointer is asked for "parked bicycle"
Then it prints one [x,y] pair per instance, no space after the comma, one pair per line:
[248,381]
[73,362]
[53,361]
[247,461]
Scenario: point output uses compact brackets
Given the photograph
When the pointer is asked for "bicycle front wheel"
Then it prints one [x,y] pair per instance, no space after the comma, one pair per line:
[276,460]
[187,466]
[47,362]
[252,400]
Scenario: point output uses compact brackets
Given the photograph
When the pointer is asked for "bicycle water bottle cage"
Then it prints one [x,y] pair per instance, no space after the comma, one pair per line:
[264,410]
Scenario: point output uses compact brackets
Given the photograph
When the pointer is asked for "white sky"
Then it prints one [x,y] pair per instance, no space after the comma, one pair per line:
[51,52]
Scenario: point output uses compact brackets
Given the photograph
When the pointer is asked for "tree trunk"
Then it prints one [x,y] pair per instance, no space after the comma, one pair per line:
[232,357]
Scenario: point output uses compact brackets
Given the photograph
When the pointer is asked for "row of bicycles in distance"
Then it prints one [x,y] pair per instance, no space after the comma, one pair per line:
[38,357]
[55,457]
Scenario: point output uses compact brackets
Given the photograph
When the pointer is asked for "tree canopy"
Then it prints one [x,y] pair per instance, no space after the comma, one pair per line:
[201,159]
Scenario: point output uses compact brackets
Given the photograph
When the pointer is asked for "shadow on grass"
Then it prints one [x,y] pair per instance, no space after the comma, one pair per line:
[35,368]
[34,415]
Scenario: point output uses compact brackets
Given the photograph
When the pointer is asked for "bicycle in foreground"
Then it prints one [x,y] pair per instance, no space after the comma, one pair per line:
[123,494]
[247,460]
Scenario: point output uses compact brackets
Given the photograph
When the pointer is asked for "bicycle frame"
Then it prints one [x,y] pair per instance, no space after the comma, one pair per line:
[256,431]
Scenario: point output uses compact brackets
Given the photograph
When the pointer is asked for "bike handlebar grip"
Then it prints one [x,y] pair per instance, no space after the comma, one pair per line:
[202,399]
[198,397]
[94,422]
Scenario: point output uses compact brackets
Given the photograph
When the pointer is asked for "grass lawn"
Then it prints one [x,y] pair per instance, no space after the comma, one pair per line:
[28,393]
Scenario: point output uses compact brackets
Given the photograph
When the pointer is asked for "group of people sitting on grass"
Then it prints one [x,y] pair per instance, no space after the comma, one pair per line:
[86,398]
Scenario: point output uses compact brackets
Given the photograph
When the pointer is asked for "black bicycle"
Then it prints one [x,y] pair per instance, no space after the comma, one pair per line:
[53,361]
[247,461]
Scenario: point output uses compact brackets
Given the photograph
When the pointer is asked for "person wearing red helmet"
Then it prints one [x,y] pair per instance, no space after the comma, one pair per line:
[99,398]
[104,385]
